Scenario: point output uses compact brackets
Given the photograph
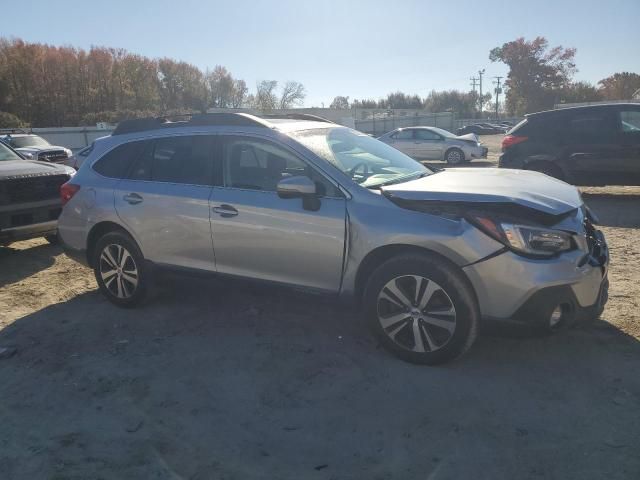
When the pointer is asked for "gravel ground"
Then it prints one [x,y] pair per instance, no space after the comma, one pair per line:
[247,382]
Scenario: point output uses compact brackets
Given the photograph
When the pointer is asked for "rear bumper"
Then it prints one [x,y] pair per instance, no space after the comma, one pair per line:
[25,232]
[78,255]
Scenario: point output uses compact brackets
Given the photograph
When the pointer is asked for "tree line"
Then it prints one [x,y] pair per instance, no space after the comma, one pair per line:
[45,85]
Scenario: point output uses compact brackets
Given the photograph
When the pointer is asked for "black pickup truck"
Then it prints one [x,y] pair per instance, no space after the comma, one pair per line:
[29,196]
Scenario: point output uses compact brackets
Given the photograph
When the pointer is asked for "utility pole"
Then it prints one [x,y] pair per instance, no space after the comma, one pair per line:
[498,92]
[474,83]
[481,72]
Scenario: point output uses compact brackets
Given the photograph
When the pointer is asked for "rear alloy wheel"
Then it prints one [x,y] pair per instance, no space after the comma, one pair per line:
[421,309]
[454,156]
[119,269]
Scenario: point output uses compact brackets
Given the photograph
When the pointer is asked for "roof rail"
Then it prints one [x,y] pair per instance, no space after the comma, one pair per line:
[8,131]
[199,119]
[297,116]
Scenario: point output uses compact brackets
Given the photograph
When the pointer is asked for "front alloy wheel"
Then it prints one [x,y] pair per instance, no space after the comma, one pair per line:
[421,308]
[416,313]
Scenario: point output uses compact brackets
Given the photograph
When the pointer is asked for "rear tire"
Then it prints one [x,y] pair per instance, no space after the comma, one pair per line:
[52,239]
[421,309]
[454,156]
[120,269]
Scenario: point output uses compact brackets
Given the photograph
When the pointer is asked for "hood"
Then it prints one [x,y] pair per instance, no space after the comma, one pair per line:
[469,136]
[28,168]
[32,150]
[491,185]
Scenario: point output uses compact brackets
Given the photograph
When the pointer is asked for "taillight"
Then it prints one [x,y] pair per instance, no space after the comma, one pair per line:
[511,140]
[67,191]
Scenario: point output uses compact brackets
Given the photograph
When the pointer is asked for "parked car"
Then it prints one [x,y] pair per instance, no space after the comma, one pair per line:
[592,145]
[318,206]
[431,143]
[34,147]
[479,129]
[29,196]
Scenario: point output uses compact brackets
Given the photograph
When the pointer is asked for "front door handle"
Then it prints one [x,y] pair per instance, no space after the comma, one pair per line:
[225,210]
[132,198]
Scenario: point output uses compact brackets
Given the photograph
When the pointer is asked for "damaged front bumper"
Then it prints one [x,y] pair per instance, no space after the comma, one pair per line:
[529,290]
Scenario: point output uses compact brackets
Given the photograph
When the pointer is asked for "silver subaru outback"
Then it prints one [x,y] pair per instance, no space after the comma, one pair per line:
[300,201]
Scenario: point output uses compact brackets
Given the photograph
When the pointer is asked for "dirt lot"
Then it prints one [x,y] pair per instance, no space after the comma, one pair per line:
[243,382]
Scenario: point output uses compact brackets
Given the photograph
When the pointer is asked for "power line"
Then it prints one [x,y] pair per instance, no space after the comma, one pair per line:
[498,92]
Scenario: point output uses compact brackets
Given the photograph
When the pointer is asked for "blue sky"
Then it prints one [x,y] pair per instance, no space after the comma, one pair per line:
[351,47]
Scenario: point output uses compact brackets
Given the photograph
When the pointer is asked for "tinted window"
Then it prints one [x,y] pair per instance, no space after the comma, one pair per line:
[403,135]
[7,154]
[426,135]
[184,159]
[255,164]
[591,127]
[630,121]
[115,163]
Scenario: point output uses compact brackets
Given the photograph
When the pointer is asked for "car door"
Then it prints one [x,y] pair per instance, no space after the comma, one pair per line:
[591,155]
[258,234]
[164,201]
[403,140]
[629,145]
[428,144]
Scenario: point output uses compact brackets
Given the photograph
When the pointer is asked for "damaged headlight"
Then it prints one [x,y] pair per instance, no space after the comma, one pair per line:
[527,239]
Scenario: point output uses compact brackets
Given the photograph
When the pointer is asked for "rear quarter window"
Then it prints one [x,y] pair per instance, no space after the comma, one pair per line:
[116,162]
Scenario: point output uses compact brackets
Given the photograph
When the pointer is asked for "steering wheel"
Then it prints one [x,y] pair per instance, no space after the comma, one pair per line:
[365,171]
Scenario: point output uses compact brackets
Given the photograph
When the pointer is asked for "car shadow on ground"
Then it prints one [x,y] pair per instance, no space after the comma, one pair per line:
[18,264]
[615,210]
[214,379]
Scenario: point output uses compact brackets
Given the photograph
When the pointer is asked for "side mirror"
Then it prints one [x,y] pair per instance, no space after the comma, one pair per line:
[298,186]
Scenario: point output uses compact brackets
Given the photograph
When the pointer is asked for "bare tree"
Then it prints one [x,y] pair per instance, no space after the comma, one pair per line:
[293,93]
[266,98]
[240,91]
[340,102]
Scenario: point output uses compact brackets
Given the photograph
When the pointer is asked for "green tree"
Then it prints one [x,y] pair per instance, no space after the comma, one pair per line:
[578,92]
[536,72]
[619,86]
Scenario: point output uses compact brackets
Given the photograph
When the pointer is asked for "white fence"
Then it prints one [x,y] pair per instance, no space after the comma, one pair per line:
[74,138]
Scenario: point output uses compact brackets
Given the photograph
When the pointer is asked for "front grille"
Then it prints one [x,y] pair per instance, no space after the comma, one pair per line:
[54,156]
[30,189]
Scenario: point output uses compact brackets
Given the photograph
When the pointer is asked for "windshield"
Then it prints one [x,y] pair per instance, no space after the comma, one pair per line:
[7,154]
[368,161]
[29,141]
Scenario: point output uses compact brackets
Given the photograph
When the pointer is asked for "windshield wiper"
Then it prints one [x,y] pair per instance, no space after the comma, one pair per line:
[400,180]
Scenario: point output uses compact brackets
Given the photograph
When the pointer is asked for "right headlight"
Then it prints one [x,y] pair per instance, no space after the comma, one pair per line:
[526,239]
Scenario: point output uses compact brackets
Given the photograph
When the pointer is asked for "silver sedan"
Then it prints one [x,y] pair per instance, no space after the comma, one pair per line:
[432,143]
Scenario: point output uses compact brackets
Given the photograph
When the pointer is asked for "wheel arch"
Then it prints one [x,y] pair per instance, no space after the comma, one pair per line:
[378,256]
[100,229]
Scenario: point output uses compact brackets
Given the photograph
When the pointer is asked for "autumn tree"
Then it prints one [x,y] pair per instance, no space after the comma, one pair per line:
[619,86]
[535,73]
[578,92]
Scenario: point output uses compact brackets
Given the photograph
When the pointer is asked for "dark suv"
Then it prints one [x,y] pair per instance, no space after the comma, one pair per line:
[593,145]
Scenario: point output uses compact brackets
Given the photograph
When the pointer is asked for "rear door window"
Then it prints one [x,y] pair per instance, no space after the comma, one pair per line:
[630,121]
[181,159]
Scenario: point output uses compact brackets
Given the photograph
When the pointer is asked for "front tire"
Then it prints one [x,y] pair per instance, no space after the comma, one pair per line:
[120,271]
[421,309]
[454,156]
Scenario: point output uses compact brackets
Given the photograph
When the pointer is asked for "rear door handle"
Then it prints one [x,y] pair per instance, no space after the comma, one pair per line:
[132,198]
[225,210]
